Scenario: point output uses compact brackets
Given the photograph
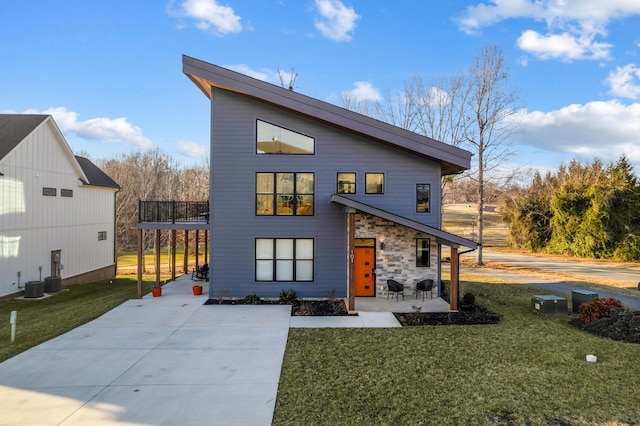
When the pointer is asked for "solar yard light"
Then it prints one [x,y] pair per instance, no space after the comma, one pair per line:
[12,321]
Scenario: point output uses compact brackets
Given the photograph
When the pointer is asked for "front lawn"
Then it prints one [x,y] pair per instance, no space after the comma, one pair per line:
[528,370]
[43,319]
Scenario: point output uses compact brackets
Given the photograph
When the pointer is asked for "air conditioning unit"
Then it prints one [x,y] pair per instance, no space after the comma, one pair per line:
[52,284]
[549,305]
[34,289]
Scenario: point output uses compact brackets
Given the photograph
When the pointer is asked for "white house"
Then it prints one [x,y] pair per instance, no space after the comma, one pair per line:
[57,210]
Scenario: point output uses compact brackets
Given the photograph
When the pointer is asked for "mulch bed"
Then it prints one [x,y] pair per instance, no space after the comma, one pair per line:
[298,308]
[621,324]
[467,315]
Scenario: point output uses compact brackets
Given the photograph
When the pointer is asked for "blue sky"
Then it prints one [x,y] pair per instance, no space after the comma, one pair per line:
[110,71]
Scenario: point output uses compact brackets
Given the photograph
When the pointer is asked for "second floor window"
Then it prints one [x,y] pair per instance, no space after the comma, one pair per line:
[284,194]
[423,198]
[374,183]
[272,139]
[346,183]
[49,192]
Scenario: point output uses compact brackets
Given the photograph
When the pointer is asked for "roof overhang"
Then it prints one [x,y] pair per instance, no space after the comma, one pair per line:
[206,76]
[442,237]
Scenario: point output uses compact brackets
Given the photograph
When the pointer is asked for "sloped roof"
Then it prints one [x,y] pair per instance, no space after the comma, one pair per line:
[442,237]
[15,127]
[205,75]
[95,175]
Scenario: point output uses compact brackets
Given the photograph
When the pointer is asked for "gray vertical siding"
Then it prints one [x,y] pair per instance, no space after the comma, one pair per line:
[234,225]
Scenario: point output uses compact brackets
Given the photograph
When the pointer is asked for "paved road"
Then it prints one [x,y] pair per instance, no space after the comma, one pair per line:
[563,286]
[629,272]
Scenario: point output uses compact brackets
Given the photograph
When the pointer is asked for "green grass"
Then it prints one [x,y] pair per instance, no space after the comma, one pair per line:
[41,320]
[528,369]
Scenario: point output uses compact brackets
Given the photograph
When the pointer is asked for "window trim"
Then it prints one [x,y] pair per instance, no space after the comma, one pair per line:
[366,190]
[355,182]
[428,210]
[294,260]
[296,195]
[288,130]
[418,250]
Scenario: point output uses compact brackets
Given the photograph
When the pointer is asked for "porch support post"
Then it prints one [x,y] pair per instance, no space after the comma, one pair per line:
[206,246]
[139,238]
[350,249]
[157,258]
[173,255]
[186,251]
[197,248]
[455,279]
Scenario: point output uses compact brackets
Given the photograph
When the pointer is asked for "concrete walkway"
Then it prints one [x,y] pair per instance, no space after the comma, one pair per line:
[169,360]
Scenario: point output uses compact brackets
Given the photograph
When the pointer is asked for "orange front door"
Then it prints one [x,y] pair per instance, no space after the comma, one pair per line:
[364,264]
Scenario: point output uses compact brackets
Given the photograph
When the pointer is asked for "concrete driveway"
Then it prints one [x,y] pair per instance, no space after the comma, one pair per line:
[163,361]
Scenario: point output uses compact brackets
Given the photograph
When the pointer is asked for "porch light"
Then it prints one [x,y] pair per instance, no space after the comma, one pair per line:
[381,239]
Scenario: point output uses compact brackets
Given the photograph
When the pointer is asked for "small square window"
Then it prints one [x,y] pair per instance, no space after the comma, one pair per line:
[49,192]
[66,193]
[423,252]
[374,183]
[102,235]
[346,183]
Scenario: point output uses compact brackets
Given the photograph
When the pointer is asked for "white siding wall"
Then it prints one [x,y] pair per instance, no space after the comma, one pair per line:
[32,225]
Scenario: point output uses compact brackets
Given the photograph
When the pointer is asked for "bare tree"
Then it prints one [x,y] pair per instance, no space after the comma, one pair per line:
[287,79]
[492,112]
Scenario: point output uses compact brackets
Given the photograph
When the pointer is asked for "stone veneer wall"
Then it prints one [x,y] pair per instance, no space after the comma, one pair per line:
[398,259]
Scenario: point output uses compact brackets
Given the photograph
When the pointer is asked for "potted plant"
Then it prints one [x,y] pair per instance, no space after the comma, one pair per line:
[197,289]
[156,291]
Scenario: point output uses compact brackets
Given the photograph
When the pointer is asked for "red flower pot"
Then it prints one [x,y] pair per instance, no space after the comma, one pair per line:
[156,291]
[197,290]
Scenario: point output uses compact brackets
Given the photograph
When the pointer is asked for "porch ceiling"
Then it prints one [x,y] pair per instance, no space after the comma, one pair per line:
[442,237]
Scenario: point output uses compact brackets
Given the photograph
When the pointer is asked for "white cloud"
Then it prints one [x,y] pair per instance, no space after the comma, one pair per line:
[363,92]
[625,82]
[572,26]
[109,130]
[336,21]
[192,149]
[564,46]
[264,75]
[209,15]
[605,130]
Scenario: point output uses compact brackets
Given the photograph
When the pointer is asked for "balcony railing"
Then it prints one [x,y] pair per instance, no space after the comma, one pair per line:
[173,211]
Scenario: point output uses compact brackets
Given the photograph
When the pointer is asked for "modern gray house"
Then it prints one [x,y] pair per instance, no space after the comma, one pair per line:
[313,197]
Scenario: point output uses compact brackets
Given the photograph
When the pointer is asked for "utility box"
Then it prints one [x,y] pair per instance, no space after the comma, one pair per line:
[549,305]
[578,297]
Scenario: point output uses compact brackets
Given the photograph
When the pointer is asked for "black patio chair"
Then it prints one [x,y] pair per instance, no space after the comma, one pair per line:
[201,272]
[424,286]
[395,287]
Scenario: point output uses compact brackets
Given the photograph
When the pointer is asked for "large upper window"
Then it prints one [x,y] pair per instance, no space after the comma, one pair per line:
[374,183]
[346,183]
[272,139]
[284,259]
[423,198]
[284,194]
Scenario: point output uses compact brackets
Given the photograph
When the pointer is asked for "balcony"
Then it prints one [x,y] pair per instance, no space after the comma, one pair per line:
[173,212]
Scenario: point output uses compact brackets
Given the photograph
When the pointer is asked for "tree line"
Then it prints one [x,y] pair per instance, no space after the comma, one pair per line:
[151,175]
[588,210]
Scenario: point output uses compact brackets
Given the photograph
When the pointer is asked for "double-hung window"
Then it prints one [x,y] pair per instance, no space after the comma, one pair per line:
[346,183]
[284,194]
[284,259]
